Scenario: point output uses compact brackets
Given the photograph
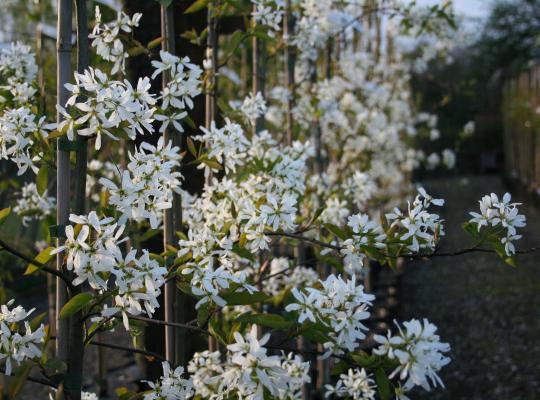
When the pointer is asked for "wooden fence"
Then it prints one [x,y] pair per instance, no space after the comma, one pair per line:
[521,120]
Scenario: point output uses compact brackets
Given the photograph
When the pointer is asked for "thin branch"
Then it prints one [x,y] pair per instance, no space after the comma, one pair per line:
[264,278]
[165,323]
[128,349]
[412,256]
[304,238]
[43,267]
[465,251]
[122,348]
[44,382]
[96,330]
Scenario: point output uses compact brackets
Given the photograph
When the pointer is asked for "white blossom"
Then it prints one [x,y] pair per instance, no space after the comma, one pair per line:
[341,306]
[33,205]
[171,386]
[107,38]
[500,215]
[418,350]
[357,384]
[18,342]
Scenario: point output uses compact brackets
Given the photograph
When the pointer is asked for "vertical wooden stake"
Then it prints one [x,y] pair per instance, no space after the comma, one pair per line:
[174,352]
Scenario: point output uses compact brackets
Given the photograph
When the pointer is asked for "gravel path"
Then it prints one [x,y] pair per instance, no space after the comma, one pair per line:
[488,311]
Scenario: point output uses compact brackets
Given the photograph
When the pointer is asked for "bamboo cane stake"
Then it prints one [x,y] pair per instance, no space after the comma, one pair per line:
[257,71]
[210,95]
[65,343]
[290,59]
[172,220]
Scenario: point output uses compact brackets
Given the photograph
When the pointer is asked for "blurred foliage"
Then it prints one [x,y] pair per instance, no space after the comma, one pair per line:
[470,87]
[510,39]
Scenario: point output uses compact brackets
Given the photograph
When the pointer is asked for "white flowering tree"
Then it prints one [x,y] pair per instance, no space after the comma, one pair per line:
[307,183]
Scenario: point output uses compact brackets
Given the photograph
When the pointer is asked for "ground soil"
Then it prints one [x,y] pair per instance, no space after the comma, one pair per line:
[488,311]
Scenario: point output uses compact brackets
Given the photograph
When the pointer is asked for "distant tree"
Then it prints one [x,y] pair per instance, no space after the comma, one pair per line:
[511,36]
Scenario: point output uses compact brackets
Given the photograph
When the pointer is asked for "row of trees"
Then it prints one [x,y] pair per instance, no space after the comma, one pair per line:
[304,179]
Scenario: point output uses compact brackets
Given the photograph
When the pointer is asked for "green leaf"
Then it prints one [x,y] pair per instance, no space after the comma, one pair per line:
[365,360]
[150,233]
[154,43]
[202,315]
[223,106]
[18,381]
[337,231]
[383,384]
[56,134]
[137,51]
[314,333]
[236,39]
[243,252]
[55,367]
[191,147]
[471,229]
[124,393]
[197,6]
[339,368]
[244,298]
[217,332]
[331,261]
[501,252]
[268,320]
[43,257]
[212,164]
[190,122]
[77,303]
[317,214]
[37,320]
[42,179]
[4,213]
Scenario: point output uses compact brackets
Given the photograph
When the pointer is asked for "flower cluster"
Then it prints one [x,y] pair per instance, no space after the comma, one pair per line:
[366,234]
[184,84]
[171,386]
[206,369]
[33,205]
[17,346]
[17,65]
[284,276]
[213,267]
[89,396]
[268,13]
[107,38]
[112,107]
[361,188]
[335,211]
[340,306]
[418,350]
[19,128]
[248,371]
[356,384]
[422,229]
[94,255]
[109,107]
[229,140]
[253,107]
[319,21]
[502,217]
[148,183]
[84,395]
[243,207]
